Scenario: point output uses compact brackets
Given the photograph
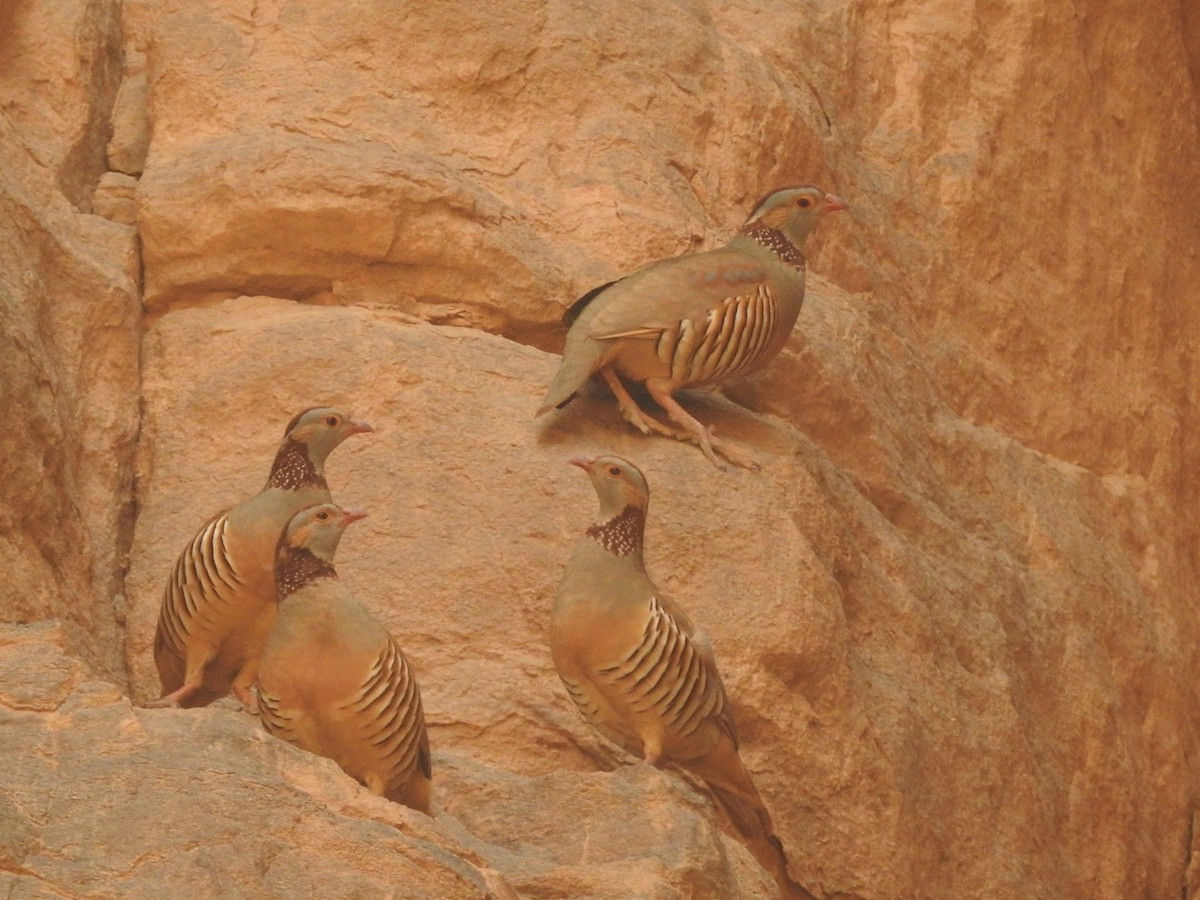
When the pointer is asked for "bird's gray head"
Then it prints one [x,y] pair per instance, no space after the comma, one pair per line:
[307,544]
[318,529]
[321,428]
[619,484]
[794,211]
[308,439]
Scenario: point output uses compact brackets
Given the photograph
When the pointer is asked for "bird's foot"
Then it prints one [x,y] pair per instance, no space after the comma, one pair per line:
[632,413]
[173,700]
[694,431]
[707,441]
[649,425]
[737,457]
[247,698]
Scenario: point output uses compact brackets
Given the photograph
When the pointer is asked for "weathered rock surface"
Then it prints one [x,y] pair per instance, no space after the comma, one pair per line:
[70,332]
[103,799]
[955,610]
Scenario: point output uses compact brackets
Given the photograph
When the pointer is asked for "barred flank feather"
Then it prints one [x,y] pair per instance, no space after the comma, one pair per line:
[202,574]
[732,338]
[388,711]
[202,586]
[666,675]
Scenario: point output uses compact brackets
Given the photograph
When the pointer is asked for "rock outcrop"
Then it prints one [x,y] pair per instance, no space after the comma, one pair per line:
[955,609]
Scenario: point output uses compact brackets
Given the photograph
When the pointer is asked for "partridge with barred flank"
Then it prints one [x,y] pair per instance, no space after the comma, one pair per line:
[640,671]
[695,320]
[219,602]
[332,680]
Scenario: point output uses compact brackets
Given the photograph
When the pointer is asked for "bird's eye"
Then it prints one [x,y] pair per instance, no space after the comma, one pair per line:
[804,202]
[614,470]
[331,421]
[322,516]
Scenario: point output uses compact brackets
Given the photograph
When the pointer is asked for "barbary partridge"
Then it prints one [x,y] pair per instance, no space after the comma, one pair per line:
[639,670]
[332,680]
[695,320]
[219,602]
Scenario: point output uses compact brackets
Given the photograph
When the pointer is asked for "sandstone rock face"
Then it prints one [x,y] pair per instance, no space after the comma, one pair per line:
[70,325]
[954,609]
[103,799]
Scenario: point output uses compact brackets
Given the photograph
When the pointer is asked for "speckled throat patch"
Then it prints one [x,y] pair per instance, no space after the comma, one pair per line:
[622,534]
[774,240]
[298,567]
[293,469]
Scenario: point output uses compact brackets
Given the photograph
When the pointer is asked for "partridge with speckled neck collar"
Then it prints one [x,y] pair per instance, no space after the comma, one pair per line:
[695,320]
[640,671]
[332,680]
[220,599]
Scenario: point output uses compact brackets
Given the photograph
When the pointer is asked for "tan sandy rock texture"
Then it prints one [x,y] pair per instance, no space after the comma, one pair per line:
[956,609]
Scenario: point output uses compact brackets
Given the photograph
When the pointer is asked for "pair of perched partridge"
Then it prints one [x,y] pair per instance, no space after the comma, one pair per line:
[640,671]
[255,599]
[633,662]
[695,320]
[219,602]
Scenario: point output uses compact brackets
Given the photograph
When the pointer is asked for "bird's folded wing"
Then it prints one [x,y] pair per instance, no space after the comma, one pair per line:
[714,687]
[658,296]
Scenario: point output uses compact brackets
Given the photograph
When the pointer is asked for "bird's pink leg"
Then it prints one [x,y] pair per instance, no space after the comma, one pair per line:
[632,413]
[247,698]
[174,699]
[660,390]
[193,679]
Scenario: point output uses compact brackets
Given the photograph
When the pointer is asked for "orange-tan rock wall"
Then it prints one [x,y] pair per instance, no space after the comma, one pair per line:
[955,608]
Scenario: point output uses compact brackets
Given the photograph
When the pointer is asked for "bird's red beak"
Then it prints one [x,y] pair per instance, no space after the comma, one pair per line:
[583,462]
[357,426]
[833,203]
[352,515]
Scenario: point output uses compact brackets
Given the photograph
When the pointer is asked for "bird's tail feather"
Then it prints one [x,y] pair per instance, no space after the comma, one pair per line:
[722,770]
[758,832]
[734,791]
[748,815]
[579,362]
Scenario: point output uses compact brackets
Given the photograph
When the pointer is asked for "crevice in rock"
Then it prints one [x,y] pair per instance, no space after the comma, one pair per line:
[1190,889]
[99,45]
[548,337]
[126,528]
[314,291]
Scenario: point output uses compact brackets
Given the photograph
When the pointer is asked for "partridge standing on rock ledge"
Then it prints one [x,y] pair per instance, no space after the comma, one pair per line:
[332,680]
[695,320]
[637,668]
[219,602]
